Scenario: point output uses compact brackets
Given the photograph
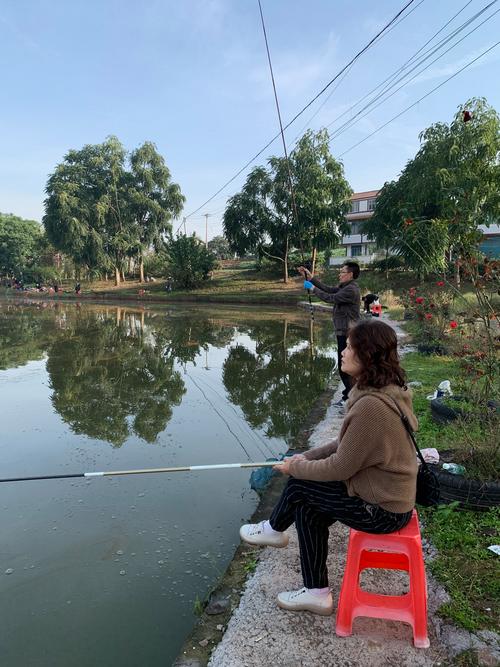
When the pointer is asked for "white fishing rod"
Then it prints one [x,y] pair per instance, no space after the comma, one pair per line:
[147,471]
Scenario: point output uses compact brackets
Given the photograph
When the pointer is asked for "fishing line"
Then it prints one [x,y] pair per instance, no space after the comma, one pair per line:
[259,439]
[287,159]
[220,415]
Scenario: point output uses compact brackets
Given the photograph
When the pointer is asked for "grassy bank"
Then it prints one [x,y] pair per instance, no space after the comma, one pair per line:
[464,565]
[241,282]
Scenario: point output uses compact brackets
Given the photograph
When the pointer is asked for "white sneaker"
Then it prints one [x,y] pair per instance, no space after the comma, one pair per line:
[302,600]
[253,533]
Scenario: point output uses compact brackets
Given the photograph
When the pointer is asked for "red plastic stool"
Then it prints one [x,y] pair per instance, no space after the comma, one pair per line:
[401,550]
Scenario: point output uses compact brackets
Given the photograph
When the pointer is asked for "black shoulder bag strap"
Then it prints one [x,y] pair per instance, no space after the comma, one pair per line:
[428,492]
[407,426]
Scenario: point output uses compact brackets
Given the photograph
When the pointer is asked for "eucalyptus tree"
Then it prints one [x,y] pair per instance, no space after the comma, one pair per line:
[100,213]
[248,216]
[322,194]
[262,217]
[83,209]
[153,200]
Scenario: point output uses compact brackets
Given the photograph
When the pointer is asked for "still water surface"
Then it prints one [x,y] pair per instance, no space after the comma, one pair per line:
[106,571]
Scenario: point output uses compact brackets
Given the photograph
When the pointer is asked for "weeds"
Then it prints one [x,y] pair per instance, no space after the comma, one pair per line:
[465,566]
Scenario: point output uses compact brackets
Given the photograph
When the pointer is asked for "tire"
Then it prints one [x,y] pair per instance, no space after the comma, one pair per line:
[444,414]
[472,494]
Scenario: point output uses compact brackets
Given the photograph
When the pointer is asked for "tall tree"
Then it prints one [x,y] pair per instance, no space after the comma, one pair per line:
[322,194]
[153,199]
[261,217]
[445,192]
[99,213]
[83,209]
[20,244]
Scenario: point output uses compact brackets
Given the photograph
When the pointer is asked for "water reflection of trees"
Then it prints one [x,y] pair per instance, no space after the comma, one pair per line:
[113,370]
[110,378]
[276,386]
[23,337]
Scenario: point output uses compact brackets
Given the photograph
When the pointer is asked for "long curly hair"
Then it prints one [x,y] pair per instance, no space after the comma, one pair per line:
[376,346]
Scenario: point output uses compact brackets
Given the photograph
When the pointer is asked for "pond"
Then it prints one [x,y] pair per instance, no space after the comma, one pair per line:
[108,570]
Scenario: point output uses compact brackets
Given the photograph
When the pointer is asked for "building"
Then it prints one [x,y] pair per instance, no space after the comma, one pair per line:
[356,245]
[490,245]
[360,248]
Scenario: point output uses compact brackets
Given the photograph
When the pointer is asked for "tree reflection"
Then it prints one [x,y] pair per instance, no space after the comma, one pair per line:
[110,378]
[23,336]
[114,372]
[276,386]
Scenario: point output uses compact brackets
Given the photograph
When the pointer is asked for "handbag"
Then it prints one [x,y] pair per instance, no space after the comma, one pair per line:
[428,489]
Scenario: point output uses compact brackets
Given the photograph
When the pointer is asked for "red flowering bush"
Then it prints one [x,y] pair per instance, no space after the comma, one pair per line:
[430,307]
[479,325]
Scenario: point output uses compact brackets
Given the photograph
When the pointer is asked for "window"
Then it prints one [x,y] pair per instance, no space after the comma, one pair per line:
[355,207]
[371,204]
[356,250]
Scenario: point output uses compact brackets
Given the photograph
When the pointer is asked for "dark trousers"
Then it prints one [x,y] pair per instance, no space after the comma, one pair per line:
[346,379]
[314,507]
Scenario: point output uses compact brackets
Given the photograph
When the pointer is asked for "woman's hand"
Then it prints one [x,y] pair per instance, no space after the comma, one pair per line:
[284,466]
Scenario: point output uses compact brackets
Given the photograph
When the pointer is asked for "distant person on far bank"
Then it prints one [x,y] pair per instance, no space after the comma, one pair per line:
[345,299]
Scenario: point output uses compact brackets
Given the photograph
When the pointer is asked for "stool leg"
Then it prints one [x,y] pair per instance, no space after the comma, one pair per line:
[418,591]
[348,591]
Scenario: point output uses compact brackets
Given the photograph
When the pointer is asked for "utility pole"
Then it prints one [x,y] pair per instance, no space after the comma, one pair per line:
[184,223]
[206,229]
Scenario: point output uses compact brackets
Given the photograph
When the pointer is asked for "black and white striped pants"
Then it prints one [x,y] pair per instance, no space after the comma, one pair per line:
[314,506]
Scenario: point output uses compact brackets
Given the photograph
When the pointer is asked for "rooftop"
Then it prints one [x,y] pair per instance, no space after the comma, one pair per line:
[365,195]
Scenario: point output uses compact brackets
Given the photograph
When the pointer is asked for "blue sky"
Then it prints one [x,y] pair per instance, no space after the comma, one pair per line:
[192,76]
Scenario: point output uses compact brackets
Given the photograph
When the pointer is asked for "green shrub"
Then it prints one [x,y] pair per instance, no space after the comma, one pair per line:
[189,261]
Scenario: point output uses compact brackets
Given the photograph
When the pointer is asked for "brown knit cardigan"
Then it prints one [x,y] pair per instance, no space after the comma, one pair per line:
[373,454]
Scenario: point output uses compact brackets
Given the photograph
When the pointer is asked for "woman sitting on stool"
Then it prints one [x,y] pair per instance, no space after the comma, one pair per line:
[366,478]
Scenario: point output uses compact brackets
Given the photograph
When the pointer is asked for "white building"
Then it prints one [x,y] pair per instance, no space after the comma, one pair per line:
[356,245]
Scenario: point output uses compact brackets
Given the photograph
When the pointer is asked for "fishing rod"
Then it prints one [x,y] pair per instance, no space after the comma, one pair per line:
[294,211]
[146,471]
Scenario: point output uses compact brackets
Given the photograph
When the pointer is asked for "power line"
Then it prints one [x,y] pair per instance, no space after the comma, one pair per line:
[403,67]
[356,57]
[351,66]
[374,103]
[471,62]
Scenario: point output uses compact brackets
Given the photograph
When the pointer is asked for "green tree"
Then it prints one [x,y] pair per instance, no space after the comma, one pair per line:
[219,246]
[261,218]
[189,261]
[83,209]
[248,216]
[322,194]
[445,192]
[20,244]
[153,200]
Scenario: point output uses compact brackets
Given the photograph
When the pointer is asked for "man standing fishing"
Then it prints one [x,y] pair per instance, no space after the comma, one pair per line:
[345,299]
